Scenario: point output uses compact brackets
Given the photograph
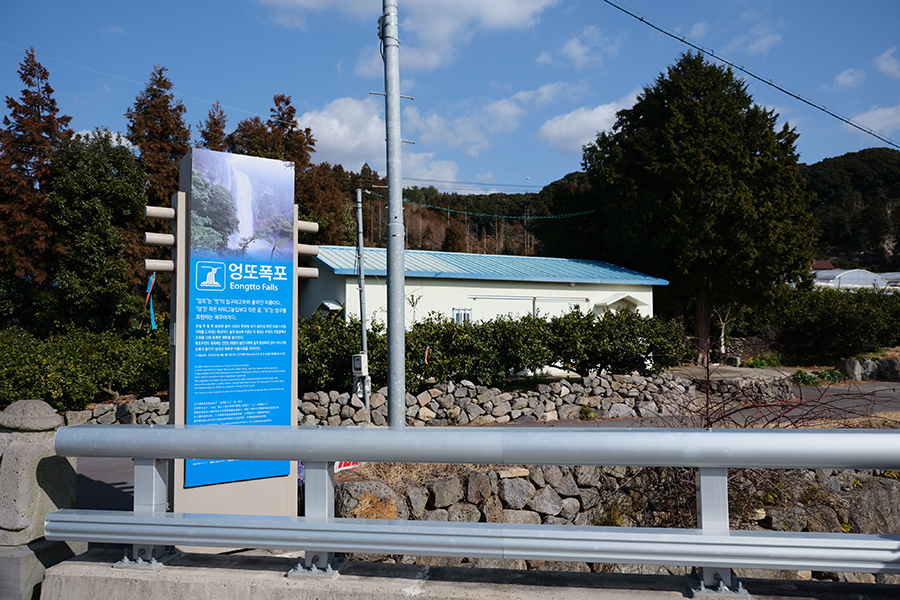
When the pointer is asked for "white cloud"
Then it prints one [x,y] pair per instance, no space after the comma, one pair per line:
[851,78]
[116,29]
[351,133]
[589,47]
[881,120]
[698,30]
[348,132]
[544,58]
[421,165]
[474,130]
[569,132]
[431,31]
[887,63]
[759,40]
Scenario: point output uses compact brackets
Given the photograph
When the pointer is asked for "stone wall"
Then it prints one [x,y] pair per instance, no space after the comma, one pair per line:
[822,500]
[604,396]
[146,410]
[878,369]
[463,403]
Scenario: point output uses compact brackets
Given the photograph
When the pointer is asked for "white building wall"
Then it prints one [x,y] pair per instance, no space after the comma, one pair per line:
[444,295]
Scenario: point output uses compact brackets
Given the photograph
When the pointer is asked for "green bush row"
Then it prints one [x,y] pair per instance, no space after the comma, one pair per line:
[76,367]
[71,369]
[486,353]
[826,324]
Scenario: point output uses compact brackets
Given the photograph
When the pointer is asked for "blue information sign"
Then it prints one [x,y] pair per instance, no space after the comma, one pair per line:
[240,295]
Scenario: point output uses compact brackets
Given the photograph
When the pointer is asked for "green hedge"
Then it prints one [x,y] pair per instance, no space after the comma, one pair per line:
[825,324]
[74,368]
[486,353]
[71,369]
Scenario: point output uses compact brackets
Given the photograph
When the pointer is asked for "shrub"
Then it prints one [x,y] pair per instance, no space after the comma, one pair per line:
[618,341]
[825,324]
[801,377]
[73,368]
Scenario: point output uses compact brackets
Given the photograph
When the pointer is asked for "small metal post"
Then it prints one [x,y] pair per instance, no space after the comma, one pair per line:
[366,382]
[318,502]
[712,513]
[149,500]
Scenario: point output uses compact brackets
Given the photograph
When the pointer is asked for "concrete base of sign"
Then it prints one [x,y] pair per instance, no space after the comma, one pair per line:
[22,568]
[262,575]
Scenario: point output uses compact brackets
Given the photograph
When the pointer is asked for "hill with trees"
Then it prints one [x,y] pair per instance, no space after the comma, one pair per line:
[857,204]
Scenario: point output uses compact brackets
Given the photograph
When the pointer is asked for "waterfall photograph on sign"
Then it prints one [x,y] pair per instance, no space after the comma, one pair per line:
[241,205]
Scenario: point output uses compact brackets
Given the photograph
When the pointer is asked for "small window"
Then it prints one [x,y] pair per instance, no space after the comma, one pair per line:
[462,315]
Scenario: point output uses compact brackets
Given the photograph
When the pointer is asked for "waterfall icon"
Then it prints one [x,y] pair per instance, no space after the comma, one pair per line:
[210,276]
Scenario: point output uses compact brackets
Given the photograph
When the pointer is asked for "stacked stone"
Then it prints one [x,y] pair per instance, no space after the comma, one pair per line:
[463,403]
[752,391]
[558,495]
[882,368]
[447,404]
[334,408]
[149,410]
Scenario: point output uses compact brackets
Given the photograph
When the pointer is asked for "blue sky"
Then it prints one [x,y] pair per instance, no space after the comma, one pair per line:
[506,91]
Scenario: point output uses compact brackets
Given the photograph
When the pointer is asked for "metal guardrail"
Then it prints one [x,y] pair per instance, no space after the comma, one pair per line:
[713,546]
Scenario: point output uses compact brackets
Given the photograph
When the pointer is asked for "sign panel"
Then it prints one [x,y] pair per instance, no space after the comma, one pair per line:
[239,303]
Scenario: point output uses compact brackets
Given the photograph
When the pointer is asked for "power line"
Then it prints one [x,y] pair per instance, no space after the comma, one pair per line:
[478,183]
[477,214]
[666,30]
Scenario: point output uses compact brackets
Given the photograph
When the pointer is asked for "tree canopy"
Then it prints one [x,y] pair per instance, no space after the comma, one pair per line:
[156,126]
[695,184]
[28,141]
[96,201]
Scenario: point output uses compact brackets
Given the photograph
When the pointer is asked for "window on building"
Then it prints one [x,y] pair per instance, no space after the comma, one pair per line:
[462,315]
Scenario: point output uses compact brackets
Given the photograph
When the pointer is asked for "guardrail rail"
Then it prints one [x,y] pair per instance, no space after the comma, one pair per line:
[713,547]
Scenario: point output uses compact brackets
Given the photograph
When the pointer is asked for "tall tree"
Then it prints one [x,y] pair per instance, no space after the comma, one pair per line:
[96,201]
[695,184]
[29,138]
[156,126]
[212,131]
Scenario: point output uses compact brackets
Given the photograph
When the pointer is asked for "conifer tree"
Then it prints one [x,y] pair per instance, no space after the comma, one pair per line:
[212,131]
[29,138]
[156,126]
[696,185]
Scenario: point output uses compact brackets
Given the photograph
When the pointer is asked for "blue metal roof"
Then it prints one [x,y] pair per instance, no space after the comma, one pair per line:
[456,265]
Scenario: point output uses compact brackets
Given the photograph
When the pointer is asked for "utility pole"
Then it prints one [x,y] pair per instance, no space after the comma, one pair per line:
[389,31]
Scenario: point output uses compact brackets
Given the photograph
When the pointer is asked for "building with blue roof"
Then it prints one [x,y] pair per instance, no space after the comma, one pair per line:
[474,287]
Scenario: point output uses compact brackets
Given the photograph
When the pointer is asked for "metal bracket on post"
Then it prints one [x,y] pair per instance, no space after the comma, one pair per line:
[149,500]
[318,502]
[712,514]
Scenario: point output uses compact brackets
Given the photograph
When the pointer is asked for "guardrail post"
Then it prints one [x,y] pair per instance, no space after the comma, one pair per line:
[318,504]
[712,514]
[149,500]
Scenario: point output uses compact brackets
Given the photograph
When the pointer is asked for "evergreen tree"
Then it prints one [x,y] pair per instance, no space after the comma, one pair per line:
[454,238]
[212,131]
[96,202]
[156,126]
[28,141]
[694,184]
